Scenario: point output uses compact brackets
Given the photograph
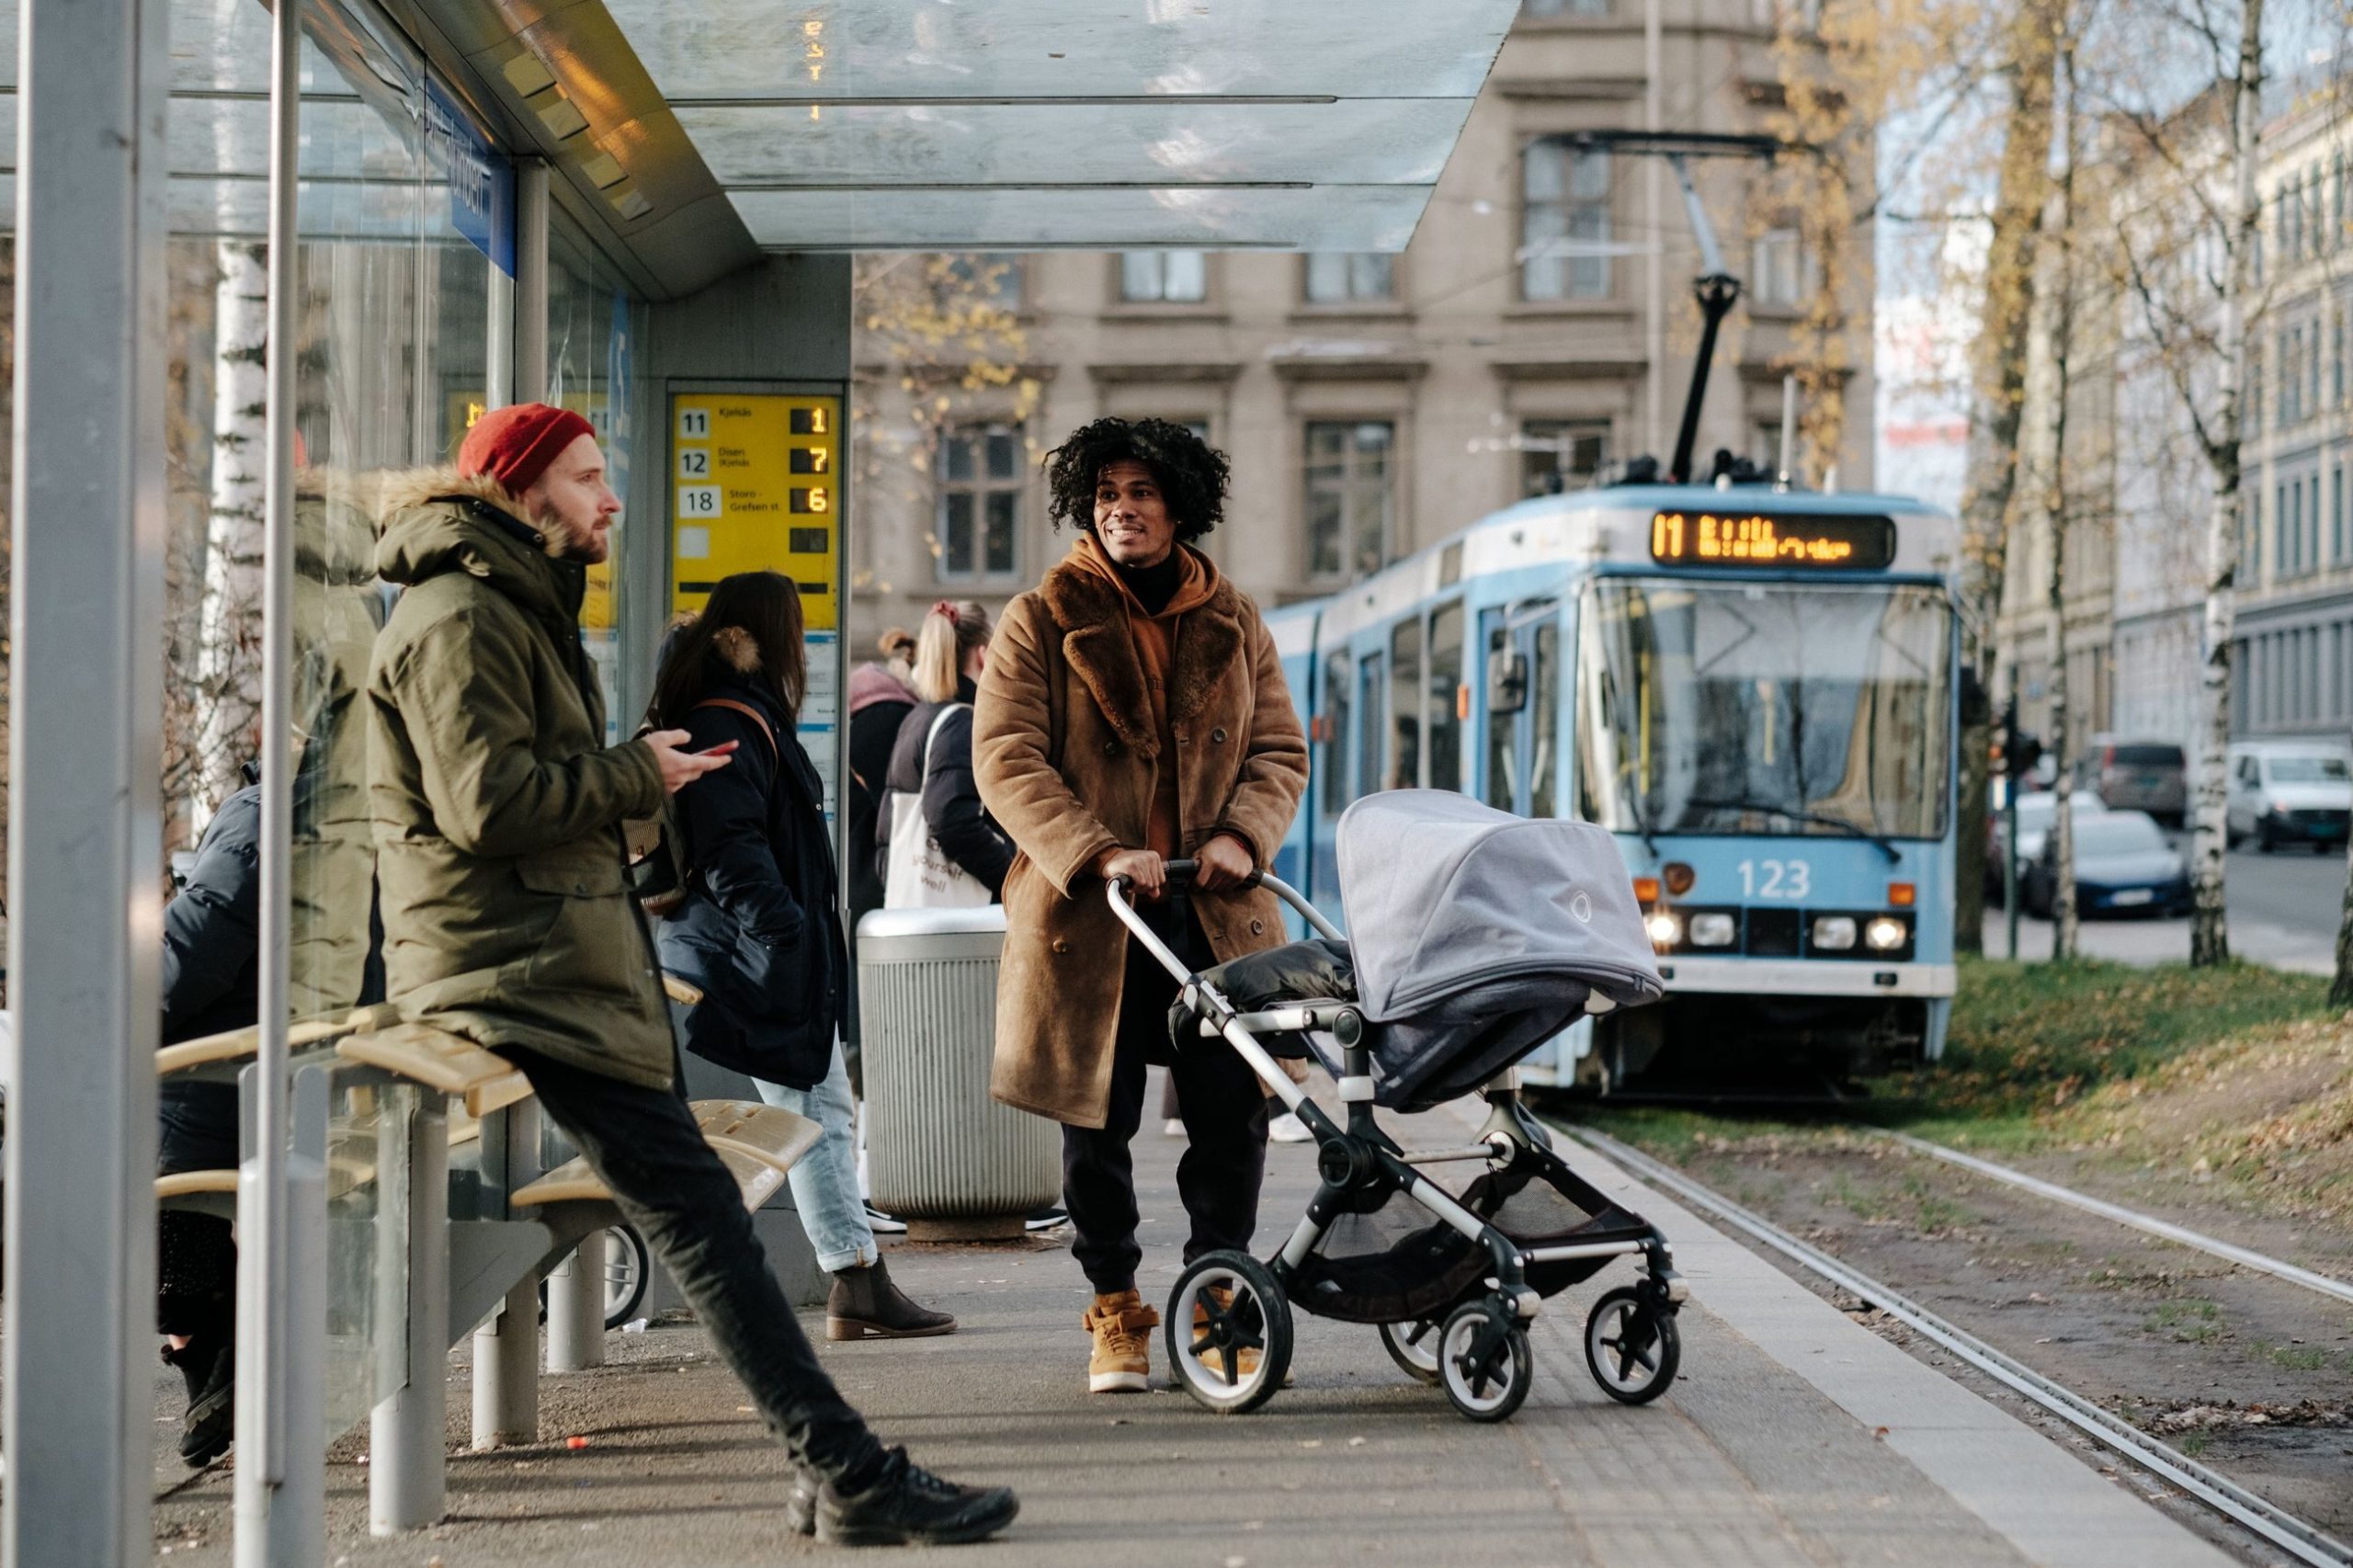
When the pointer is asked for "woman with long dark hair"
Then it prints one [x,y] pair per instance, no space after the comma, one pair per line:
[760,931]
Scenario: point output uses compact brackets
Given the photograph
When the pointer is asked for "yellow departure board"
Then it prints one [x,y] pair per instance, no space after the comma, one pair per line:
[756,486]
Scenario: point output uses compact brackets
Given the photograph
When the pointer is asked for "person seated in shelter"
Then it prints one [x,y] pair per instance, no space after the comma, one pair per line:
[497,812]
[1133,712]
[758,929]
[210,986]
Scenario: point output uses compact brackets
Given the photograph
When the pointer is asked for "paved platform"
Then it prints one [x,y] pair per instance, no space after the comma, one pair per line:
[1794,1436]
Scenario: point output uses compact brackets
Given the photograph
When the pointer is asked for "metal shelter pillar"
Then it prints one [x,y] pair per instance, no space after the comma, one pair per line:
[86,764]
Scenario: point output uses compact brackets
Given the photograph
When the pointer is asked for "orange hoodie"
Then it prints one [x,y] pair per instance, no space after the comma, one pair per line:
[1155,644]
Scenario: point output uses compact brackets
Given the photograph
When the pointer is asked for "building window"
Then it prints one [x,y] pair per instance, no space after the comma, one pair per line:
[2337,513]
[989,278]
[980,503]
[2254,420]
[1560,454]
[1339,277]
[1350,498]
[1164,276]
[2337,361]
[2311,524]
[1539,10]
[1564,221]
[1776,269]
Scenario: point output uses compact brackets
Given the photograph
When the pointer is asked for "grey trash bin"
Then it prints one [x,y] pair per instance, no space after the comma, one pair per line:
[941,1155]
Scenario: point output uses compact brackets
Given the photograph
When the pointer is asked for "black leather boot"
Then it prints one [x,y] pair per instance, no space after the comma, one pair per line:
[864,1304]
[908,1505]
[209,1363]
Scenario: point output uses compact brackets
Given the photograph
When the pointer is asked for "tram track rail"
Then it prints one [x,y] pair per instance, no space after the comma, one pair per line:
[2299,1539]
[2148,1223]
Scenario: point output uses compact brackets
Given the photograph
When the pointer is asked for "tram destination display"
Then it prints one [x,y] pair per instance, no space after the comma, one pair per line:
[1798,541]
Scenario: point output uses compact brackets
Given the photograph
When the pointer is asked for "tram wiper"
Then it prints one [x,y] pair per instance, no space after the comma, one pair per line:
[1886,847]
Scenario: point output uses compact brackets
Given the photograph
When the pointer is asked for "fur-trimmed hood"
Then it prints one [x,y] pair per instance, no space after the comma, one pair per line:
[1093,616]
[436,520]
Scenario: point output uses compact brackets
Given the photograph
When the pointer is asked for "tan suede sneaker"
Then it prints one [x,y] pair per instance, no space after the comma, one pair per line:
[1122,1327]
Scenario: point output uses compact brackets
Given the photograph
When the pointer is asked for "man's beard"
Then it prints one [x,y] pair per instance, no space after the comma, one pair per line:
[571,543]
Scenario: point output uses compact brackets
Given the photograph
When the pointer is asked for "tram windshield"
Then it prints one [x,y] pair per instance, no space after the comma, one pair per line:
[1739,707]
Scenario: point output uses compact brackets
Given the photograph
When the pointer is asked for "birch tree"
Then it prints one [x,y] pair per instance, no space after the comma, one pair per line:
[2202,164]
[2056,502]
[228,663]
[1997,408]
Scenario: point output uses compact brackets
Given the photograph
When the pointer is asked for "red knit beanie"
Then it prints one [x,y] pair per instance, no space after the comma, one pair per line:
[514,445]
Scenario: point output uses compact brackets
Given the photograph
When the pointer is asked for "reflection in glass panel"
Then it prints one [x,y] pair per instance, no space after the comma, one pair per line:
[1334,760]
[1544,703]
[1371,724]
[1171,277]
[979,484]
[1565,222]
[1445,712]
[1790,710]
[1405,705]
[1000,530]
[1339,277]
[1503,736]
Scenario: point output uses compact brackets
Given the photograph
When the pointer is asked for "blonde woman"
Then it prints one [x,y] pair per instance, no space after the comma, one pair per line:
[934,755]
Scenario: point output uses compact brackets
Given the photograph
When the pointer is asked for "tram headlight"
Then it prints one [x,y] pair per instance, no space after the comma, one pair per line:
[1711,930]
[1885,934]
[1665,929]
[1833,933]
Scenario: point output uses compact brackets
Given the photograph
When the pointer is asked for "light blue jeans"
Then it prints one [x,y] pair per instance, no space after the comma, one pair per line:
[824,1183]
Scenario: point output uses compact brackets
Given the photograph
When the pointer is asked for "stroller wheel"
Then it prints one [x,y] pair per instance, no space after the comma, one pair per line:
[1484,1362]
[1414,1347]
[1228,1331]
[1631,1345]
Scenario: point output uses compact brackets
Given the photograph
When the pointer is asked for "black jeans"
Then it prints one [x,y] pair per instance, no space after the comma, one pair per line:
[1225,1110]
[669,1184]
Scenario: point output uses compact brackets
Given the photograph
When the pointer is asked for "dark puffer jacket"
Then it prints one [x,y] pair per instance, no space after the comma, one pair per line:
[759,932]
[951,798]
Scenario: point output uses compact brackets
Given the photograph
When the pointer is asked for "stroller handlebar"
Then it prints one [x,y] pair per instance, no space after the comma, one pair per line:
[1118,889]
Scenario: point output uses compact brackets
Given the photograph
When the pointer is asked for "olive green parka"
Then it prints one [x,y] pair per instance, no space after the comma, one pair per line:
[497,807]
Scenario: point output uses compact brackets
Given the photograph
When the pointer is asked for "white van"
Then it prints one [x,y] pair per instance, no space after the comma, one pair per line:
[2290,792]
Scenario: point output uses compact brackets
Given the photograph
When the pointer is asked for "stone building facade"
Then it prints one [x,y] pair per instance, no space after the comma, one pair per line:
[1538,329]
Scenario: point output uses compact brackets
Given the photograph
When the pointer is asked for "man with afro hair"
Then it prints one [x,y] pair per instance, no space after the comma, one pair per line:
[1133,713]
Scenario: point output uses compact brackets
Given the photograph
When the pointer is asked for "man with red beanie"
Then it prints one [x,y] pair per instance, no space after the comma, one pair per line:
[508,920]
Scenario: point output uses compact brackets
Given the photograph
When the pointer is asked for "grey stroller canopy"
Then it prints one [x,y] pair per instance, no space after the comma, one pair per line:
[1473,937]
[1445,896]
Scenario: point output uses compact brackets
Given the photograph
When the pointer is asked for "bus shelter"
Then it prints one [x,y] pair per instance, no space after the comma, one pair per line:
[263,259]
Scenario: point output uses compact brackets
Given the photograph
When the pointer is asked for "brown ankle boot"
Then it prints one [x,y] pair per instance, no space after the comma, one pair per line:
[864,1304]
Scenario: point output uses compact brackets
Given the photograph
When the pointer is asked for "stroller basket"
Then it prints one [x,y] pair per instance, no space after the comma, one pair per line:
[1396,1266]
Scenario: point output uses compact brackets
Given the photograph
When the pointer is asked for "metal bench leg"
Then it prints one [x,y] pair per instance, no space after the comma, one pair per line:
[281,1480]
[408,1430]
[507,1348]
[576,1307]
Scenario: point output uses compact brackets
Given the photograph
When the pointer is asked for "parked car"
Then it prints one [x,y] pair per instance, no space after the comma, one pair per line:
[2139,776]
[2124,866]
[2036,808]
[2290,792]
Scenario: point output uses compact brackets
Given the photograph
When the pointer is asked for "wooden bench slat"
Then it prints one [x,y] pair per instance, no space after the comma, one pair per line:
[187,1184]
[756,1180]
[766,1133]
[235,1045]
[432,1057]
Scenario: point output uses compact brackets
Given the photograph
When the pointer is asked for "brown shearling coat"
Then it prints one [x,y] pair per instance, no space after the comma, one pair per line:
[1063,747]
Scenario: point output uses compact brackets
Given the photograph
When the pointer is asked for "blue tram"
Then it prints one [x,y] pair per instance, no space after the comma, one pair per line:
[1755,689]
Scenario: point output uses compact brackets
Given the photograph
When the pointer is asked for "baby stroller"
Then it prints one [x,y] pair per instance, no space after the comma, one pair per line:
[1474,937]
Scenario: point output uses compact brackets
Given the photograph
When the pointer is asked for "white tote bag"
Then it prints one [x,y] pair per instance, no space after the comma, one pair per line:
[921,876]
